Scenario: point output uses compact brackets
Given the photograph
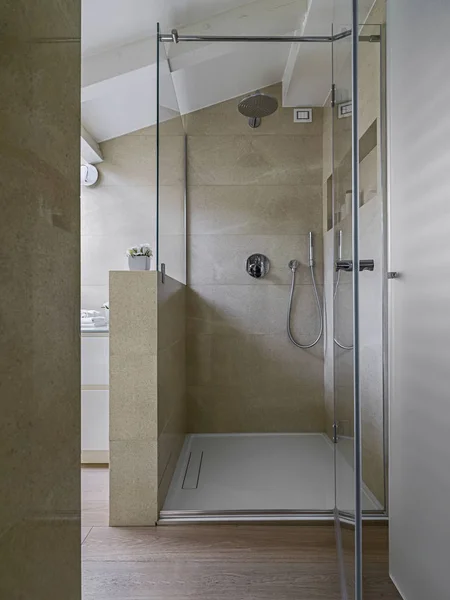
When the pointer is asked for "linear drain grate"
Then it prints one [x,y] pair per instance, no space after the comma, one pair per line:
[193,468]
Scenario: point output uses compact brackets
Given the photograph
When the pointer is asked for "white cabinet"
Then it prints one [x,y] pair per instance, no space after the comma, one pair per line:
[94,360]
[95,425]
[94,398]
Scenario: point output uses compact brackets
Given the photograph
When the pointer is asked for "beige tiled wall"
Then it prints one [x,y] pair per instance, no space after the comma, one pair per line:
[118,212]
[252,190]
[147,392]
[39,292]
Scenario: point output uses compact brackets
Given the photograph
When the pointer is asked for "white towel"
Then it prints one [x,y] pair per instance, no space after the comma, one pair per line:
[89,313]
[93,321]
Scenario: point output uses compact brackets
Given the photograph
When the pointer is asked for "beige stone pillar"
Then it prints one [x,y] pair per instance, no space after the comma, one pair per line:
[147,392]
[39,300]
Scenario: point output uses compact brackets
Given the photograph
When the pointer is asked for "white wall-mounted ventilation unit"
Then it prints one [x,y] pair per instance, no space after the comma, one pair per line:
[344,110]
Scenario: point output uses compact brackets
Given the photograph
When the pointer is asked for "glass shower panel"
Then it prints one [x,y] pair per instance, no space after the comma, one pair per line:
[343,279]
[371,283]
[342,230]
[171,175]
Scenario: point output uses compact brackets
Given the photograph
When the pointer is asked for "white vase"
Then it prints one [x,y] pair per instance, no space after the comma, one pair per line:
[139,263]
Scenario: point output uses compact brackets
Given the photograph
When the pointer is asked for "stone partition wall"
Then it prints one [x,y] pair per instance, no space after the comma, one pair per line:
[39,300]
[252,190]
[147,392]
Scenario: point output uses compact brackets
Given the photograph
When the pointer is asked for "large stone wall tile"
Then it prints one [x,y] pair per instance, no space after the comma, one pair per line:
[134,483]
[230,409]
[133,398]
[41,19]
[243,160]
[221,259]
[254,210]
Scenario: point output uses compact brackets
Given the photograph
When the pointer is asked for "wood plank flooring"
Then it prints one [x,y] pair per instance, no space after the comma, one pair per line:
[220,562]
[94,497]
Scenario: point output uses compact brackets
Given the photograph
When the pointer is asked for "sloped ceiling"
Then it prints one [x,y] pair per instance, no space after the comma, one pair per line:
[119,47]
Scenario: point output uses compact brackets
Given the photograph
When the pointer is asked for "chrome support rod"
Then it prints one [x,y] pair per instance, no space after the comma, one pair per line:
[358,585]
[174,37]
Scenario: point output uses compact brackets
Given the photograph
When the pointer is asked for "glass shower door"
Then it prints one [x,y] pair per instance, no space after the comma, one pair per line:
[171,175]
[345,312]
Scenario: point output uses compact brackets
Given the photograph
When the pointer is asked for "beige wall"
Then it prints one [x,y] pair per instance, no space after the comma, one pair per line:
[252,190]
[171,379]
[120,210]
[147,392]
[339,363]
[39,291]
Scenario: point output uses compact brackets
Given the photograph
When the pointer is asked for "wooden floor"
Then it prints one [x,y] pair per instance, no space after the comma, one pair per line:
[216,562]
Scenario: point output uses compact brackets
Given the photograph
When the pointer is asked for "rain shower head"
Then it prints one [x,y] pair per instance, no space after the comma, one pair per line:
[256,106]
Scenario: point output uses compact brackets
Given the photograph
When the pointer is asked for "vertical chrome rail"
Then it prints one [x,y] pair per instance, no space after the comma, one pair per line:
[356,351]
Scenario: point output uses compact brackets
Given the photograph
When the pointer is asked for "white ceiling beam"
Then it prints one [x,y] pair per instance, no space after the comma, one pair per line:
[270,17]
[293,55]
[119,86]
[261,17]
[101,68]
[308,71]
[90,150]
[307,75]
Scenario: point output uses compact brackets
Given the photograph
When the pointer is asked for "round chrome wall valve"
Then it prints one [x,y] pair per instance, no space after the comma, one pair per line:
[257,266]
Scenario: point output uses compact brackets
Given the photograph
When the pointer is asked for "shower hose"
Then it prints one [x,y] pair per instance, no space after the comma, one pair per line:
[319,311]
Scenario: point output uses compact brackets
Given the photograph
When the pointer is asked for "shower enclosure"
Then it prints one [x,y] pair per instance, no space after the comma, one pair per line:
[277,430]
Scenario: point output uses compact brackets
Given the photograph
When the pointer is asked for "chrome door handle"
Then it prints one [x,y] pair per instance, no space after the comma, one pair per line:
[347,265]
[344,265]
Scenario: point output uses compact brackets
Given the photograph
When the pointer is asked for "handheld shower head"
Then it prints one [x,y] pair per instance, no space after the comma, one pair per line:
[339,244]
[311,250]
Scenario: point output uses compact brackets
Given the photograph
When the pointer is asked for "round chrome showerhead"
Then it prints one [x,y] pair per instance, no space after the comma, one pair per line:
[258,105]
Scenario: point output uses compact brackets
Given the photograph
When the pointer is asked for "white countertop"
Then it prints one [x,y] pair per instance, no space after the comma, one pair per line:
[91,329]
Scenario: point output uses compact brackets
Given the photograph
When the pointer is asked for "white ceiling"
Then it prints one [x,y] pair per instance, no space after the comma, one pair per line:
[120,62]
[107,24]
